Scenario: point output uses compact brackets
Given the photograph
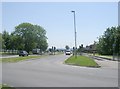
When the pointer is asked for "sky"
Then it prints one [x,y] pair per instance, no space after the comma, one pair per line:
[92,19]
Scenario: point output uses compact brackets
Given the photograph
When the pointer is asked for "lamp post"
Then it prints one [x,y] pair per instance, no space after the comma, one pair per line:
[114,51]
[75,34]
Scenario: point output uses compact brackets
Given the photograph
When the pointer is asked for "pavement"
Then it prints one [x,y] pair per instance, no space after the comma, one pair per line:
[50,71]
[107,63]
[11,56]
[8,56]
[103,62]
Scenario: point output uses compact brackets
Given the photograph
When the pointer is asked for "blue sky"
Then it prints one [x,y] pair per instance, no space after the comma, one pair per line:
[92,18]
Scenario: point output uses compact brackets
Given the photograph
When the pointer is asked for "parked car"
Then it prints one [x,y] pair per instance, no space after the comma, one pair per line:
[67,52]
[23,53]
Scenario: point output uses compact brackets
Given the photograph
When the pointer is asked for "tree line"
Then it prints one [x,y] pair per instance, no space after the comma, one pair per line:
[109,42]
[25,37]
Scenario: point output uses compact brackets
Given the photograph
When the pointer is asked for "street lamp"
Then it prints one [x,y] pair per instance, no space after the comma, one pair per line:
[114,51]
[114,48]
[75,34]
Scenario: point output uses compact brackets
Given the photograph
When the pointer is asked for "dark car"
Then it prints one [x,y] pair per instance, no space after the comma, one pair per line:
[23,53]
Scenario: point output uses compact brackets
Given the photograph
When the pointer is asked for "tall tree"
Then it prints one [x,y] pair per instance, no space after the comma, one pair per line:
[109,42]
[80,48]
[1,41]
[40,37]
[31,36]
[7,40]
[67,47]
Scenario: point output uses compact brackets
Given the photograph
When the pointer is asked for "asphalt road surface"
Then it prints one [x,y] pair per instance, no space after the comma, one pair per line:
[50,71]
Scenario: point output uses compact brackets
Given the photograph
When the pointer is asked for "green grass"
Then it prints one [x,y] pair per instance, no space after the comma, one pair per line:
[0,53]
[16,59]
[2,86]
[81,61]
[0,60]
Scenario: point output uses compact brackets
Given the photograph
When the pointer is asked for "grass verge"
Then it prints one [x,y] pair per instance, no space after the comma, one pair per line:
[16,59]
[81,61]
[2,86]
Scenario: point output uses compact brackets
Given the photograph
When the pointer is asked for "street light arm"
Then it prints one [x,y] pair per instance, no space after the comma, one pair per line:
[72,11]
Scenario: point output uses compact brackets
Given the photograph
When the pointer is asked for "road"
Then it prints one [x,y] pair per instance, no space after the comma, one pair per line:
[50,71]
